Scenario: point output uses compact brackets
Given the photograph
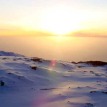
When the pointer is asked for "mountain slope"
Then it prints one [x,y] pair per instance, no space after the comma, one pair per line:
[35,82]
[3,53]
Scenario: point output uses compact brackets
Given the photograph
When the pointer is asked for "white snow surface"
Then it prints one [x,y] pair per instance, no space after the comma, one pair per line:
[51,84]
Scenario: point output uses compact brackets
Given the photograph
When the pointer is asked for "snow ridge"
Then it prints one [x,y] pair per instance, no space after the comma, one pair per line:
[35,82]
[3,53]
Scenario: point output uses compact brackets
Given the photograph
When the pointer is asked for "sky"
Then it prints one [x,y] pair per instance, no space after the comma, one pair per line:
[55,29]
[66,48]
[21,17]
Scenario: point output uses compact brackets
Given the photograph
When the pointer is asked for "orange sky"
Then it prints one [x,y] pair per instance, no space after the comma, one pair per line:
[63,17]
[55,29]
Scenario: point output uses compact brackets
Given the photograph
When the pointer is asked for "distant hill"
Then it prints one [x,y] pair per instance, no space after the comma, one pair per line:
[3,53]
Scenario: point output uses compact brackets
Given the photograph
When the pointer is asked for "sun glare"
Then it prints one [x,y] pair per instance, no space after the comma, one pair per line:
[60,38]
[60,21]
[57,20]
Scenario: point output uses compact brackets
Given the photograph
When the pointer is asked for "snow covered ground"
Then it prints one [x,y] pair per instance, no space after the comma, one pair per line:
[34,82]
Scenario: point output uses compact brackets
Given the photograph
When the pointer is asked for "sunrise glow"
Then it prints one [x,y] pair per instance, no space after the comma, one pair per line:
[60,21]
[54,17]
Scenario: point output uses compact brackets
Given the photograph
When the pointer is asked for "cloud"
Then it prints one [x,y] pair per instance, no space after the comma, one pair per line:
[16,31]
[88,34]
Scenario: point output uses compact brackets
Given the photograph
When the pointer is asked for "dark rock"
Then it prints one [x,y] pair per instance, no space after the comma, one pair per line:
[14,59]
[4,58]
[79,66]
[74,62]
[105,92]
[89,105]
[70,71]
[97,74]
[35,59]
[95,63]
[9,73]
[48,89]
[34,67]
[68,102]
[92,72]
[2,83]
[79,87]
[84,71]
[93,91]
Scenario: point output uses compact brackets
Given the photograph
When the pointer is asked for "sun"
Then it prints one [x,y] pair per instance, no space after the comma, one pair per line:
[59,21]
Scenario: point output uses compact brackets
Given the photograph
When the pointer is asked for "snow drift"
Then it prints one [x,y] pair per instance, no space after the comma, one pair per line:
[35,82]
